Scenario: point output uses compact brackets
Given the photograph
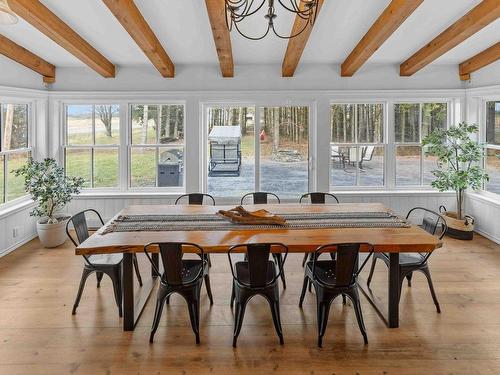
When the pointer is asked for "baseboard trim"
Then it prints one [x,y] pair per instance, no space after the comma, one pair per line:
[18,244]
[488,236]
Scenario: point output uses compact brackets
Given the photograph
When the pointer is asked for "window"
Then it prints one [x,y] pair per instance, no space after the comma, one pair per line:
[412,123]
[157,145]
[231,150]
[284,150]
[492,159]
[14,149]
[357,145]
[92,144]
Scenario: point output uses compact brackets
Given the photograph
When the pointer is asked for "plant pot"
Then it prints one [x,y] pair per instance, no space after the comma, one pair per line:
[459,229]
[52,235]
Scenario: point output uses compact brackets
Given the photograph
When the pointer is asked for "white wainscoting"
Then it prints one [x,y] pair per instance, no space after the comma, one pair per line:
[400,201]
[17,219]
[486,211]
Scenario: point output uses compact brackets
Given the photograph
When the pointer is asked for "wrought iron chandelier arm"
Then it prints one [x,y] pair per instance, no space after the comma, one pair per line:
[295,6]
[253,38]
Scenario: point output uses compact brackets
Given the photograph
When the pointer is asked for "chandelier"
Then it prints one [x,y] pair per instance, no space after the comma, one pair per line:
[238,10]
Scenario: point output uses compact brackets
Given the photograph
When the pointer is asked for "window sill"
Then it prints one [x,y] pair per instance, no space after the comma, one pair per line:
[16,206]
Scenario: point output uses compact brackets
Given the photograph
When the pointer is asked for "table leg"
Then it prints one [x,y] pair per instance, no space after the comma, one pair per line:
[132,304]
[394,285]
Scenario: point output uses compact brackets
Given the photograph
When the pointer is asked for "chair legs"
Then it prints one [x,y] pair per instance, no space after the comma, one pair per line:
[116,277]
[323,309]
[85,274]
[209,289]
[427,274]
[354,296]
[304,288]
[304,260]
[99,276]
[279,261]
[160,300]
[372,268]
[136,267]
[238,319]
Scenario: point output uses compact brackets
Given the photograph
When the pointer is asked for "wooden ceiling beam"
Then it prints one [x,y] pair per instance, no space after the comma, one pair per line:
[296,45]
[486,57]
[24,57]
[127,13]
[217,16]
[39,16]
[478,17]
[387,23]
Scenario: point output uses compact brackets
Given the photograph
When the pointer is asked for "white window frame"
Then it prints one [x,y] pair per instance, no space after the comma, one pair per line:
[93,146]
[482,138]
[449,104]
[384,144]
[156,146]
[30,149]
[258,105]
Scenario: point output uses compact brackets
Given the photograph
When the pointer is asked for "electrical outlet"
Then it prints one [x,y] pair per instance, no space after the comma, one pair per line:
[15,232]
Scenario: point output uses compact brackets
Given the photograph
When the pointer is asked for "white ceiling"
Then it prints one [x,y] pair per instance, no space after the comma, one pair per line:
[183,28]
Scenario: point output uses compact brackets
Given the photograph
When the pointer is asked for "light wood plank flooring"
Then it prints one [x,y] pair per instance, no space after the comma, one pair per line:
[38,334]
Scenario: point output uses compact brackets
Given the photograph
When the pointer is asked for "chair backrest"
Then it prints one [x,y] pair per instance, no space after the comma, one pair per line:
[346,263]
[367,153]
[428,220]
[195,198]
[260,197]
[318,197]
[258,263]
[79,222]
[171,257]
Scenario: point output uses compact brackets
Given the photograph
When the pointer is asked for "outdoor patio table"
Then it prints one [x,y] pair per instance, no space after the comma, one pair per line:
[391,240]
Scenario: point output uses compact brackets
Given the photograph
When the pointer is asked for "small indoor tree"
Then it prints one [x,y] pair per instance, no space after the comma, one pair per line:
[458,158]
[49,187]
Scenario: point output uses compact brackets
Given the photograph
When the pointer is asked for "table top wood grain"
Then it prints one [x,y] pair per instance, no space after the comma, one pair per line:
[412,239]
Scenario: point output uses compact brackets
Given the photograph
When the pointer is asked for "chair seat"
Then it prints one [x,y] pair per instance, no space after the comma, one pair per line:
[325,270]
[243,273]
[408,259]
[106,259]
[190,269]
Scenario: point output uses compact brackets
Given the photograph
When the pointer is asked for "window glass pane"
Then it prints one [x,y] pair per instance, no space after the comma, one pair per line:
[493,170]
[170,166]
[2,177]
[15,126]
[430,164]
[343,172]
[107,124]
[171,119]
[15,184]
[79,122]
[434,116]
[342,123]
[370,123]
[105,167]
[493,123]
[406,122]
[408,165]
[231,151]
[144,123]
[371,165]
[78,164]
[142,167]
[284,150]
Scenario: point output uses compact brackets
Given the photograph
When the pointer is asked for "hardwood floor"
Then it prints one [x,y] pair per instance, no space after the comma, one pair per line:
[38,334]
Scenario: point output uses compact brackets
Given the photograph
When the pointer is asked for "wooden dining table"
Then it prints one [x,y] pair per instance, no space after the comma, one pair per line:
[384,239]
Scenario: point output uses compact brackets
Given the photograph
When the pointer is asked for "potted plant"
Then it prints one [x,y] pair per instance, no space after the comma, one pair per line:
[458,158]
[51,190]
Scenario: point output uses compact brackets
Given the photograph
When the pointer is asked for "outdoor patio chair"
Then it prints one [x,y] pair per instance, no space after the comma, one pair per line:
[431,222]
[109,264]
[332,278]
[256,276]
[182,276]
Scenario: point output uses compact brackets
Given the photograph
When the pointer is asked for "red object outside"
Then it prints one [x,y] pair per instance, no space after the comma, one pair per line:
[262,135]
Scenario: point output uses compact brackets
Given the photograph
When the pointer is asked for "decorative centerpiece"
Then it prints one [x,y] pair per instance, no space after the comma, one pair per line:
[51,190]
[458,157]
[239,215]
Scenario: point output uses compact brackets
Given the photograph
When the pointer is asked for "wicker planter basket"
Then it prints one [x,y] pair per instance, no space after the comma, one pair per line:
[459,229]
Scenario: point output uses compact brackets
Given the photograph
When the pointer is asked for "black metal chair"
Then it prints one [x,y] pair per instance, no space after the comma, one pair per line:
[316,198]
[260,197]
[256,276]
[182,276]
[332,278]
[433,223]
[109,264]
[195,198]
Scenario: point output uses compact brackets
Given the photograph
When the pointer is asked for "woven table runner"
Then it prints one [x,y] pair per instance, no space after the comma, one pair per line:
[212,222]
